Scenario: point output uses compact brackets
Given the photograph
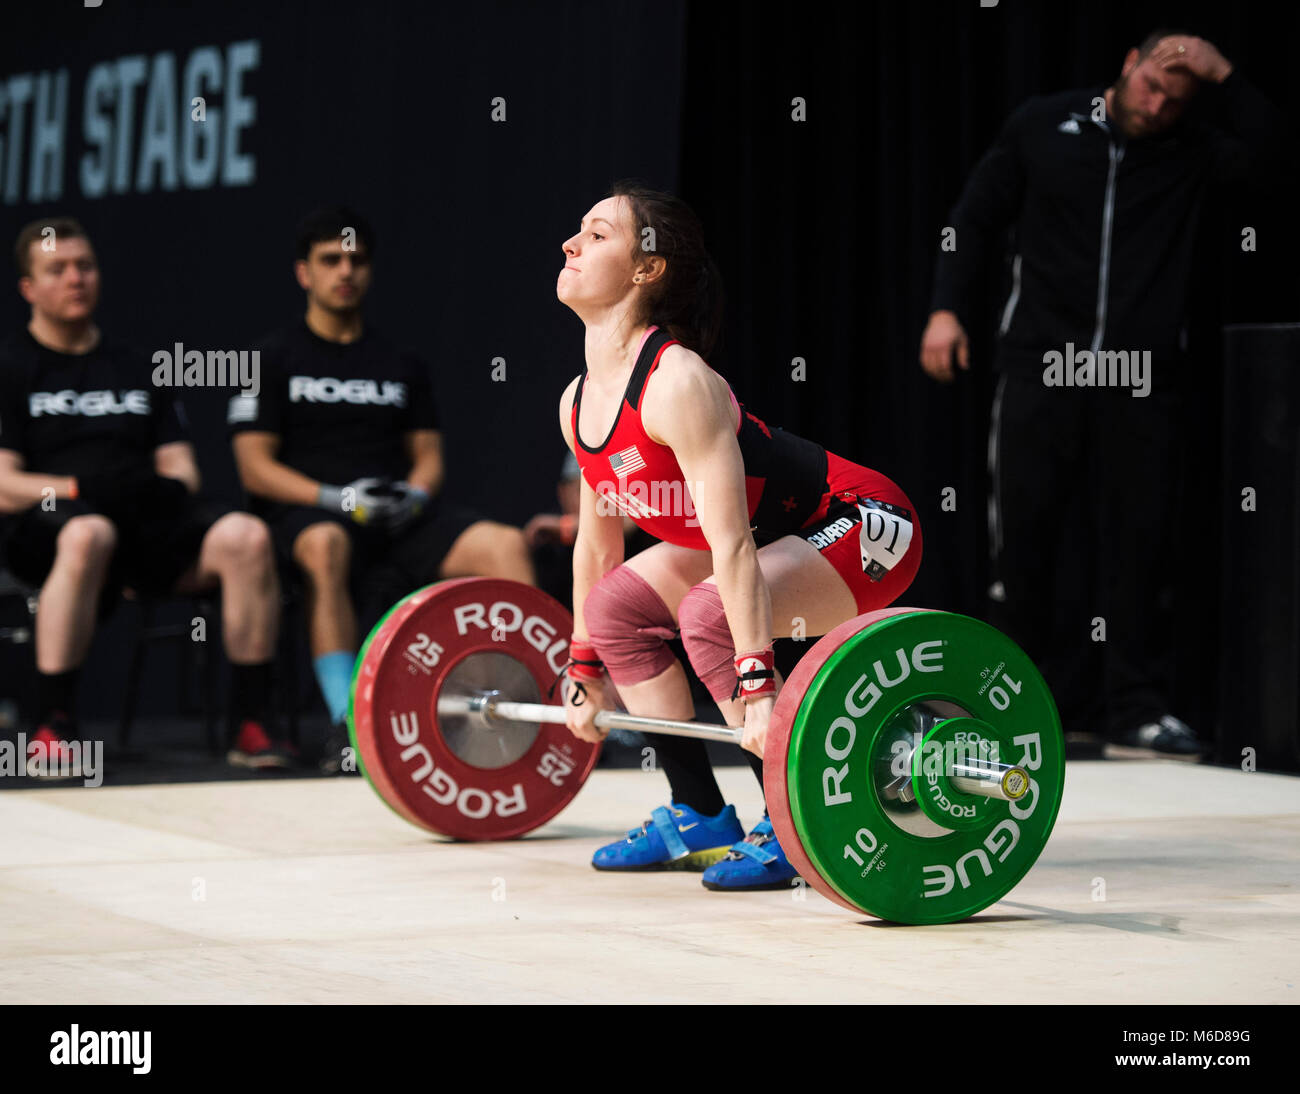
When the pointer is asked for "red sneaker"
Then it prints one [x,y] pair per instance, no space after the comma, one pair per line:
[254,748]
[49,756]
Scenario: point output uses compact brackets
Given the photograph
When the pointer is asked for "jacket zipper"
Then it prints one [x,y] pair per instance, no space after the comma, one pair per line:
[1107,225]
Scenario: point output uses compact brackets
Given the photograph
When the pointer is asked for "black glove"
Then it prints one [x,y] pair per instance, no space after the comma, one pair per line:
[369,502]
[411,502]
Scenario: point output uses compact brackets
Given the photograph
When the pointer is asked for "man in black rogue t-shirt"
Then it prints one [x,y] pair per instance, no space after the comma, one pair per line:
[98,488]
[342,450]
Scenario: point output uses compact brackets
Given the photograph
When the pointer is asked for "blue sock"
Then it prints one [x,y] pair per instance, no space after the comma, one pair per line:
[334,674]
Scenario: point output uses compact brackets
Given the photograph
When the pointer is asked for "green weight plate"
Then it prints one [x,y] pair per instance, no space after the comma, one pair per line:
[953,741]
[873,699]
[788,701]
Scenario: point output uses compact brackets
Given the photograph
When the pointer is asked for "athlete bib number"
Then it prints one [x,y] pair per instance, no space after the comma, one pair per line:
[886,533]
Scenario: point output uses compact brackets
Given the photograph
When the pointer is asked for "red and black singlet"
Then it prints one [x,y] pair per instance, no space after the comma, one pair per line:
[785,475]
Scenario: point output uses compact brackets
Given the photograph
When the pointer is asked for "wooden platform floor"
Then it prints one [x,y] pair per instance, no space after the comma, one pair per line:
[312,891]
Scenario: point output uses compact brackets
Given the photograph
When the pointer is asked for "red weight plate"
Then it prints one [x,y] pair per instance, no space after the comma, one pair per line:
[363,730]
[450,783]
[775,753]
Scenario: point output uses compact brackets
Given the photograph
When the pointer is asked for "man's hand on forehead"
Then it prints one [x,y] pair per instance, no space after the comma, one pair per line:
[1196,56]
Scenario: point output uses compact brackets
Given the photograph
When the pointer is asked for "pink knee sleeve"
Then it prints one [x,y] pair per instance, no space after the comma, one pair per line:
[708,640]
[629,624]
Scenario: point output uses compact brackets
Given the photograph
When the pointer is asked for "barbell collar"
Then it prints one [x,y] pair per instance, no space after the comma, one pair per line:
[1005,782]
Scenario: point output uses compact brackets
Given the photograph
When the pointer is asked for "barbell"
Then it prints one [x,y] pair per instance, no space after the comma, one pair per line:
[913,770]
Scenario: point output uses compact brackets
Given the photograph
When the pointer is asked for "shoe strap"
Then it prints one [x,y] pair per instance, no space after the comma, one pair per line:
[755,851]
[667,829]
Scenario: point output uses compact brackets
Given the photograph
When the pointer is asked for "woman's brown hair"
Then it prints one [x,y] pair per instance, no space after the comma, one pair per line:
[687,300]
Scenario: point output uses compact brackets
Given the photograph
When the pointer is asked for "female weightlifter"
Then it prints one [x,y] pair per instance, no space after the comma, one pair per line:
[760,531]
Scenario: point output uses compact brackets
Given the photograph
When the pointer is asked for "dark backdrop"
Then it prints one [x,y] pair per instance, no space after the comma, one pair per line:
[826,232]
[824,229]
[387,107]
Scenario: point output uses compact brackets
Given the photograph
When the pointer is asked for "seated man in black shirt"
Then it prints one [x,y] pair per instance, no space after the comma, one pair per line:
[342,451]
[98,488]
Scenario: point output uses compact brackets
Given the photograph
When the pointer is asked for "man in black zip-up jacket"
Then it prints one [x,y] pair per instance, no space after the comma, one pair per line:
[1104,188]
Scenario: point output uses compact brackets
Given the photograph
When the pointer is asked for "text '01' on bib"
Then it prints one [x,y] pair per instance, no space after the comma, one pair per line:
[886,534]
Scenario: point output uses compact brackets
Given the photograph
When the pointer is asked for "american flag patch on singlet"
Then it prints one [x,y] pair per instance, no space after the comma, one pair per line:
[627,461]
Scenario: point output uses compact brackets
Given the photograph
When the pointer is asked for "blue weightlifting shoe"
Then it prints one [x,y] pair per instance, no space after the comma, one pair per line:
[674,838]
[756,862]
